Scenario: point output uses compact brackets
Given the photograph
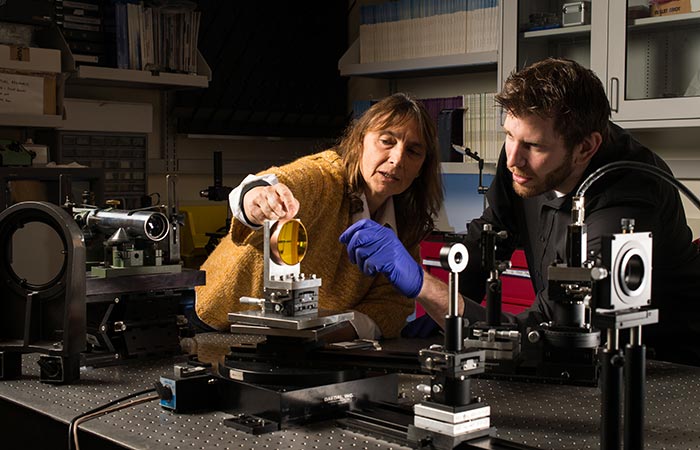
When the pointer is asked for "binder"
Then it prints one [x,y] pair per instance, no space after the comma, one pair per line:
[450,131]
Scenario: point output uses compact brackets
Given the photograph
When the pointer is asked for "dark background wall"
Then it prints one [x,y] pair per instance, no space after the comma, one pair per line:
[274,70]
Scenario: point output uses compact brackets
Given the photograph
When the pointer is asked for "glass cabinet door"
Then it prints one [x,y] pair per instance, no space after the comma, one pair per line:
[654,66]
[537,29]
[547,30]
[544,28]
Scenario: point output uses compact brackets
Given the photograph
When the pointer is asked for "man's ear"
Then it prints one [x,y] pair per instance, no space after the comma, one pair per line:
[588,147]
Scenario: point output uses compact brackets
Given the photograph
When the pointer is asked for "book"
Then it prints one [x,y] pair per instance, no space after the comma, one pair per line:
[450,131]
[80,58]
[122,40]
[82,35]
[77,26]
[81,19]
[91,48]
[86,5]
[158,38]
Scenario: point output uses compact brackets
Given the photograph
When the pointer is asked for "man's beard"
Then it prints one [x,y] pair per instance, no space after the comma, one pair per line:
[551,181]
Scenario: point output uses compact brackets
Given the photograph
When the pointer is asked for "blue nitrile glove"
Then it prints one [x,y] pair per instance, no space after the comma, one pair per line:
[377,249]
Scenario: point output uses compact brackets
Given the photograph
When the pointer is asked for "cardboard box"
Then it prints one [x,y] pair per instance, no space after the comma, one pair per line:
[30,59]
[28,93]
[26,190]
[31,81]
[673,7]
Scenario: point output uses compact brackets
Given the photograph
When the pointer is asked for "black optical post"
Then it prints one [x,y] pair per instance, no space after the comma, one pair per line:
[450,415]
[494,290]
[218,192]
[635,367]
[629,368]
[620,300]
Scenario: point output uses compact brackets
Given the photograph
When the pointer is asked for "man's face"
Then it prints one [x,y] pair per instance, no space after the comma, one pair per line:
[537,156]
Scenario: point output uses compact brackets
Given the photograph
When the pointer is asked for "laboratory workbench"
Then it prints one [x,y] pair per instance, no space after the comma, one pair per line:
[547,416]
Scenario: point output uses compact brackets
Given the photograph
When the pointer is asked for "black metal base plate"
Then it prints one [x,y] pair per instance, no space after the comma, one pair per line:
[286,406]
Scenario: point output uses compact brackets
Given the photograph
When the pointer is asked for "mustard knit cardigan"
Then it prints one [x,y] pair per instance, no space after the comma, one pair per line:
[235,267]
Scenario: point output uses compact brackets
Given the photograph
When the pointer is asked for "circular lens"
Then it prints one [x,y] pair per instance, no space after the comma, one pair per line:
[454,257]
[633,273]
[289,242]
[156,227]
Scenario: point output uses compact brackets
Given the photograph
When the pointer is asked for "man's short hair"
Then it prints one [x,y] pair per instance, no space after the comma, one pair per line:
[563,90]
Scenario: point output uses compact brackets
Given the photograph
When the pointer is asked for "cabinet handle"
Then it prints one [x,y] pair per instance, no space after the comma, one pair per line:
[614,94]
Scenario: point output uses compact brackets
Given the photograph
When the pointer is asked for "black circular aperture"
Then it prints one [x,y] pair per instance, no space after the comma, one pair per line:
[36,246]
[632,274]
[156,227]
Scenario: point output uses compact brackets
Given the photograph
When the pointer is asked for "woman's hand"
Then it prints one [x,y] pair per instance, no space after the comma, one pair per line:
[275,202]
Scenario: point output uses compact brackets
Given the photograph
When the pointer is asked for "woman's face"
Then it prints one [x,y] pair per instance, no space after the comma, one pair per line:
[391,159]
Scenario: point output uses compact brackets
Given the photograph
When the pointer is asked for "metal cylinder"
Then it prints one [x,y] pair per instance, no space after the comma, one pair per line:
[611,396]
[452,391]
[453,333]
[151,225]
[569,314]
[635,374]
[578,211]
[454,258]
[576,245]
[493,302]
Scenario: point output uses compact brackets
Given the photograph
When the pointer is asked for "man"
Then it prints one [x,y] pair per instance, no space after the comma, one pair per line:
[557,133]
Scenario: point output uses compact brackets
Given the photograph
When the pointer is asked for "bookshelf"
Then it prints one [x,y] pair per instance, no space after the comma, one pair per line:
[75,74]
[108,76]
[436,53]
[652,72]
[96,75]
[648,23]
[30,121]
[349,64]
[565,32]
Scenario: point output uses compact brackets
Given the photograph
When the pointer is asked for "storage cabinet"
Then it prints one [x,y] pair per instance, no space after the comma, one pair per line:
[120,157]
[650,65]
[535,31]
[653,76]
[538,32]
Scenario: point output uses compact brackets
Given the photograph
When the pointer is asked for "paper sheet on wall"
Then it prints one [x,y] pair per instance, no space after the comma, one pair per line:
[21,94]
[693,88]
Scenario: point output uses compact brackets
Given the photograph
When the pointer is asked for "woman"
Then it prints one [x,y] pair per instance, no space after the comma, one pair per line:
[385,168]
